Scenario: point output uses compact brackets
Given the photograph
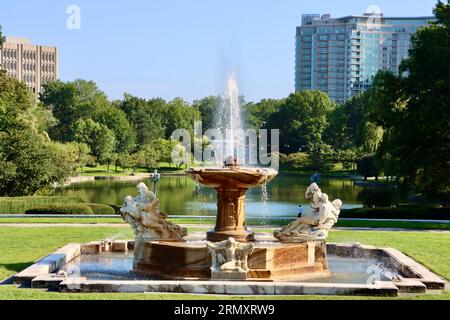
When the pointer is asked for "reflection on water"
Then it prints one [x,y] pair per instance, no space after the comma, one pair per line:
[178,196]
[119,266]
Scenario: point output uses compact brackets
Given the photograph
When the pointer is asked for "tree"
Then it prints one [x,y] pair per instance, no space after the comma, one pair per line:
[207,108]
[350,132]
[302,120]
[124,160]
[83,154]
[164,149]
[146,157]
[178,114]
[145,116]
[29,161]
[116,120]
[70,102]
[257,114]
[1,38]
[98,137]
[413,110]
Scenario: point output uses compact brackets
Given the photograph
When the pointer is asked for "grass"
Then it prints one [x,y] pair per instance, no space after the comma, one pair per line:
[394,224]
[22,246]
[102,170]
[13,293]
[117,220]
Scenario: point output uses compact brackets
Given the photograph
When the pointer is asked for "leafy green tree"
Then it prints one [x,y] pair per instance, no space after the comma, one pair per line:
[71,101]
[258,114]
[1,38]
[125,160]
[207,108]
[83,154]
[29,161]
[97,136]
[302,121]
[413,110]
[116,120]
[147,157]
[295,161]
[145,116]
[164,149]
[178,114]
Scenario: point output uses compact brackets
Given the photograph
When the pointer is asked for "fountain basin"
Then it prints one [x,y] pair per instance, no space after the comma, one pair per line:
[232,177]
[231,184]
[92,267]
[269,261]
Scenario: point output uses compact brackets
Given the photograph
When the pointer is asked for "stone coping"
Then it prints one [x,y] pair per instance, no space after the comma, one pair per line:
[43,274]
[228,287]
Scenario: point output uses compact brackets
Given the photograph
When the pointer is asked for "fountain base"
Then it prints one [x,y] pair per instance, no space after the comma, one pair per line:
[269,261]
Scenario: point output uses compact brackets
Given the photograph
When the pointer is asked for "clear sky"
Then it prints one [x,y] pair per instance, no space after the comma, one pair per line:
[170,48]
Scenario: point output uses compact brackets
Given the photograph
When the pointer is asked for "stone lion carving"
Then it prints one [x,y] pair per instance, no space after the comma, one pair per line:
[148,223]
[229,259]
[317,220]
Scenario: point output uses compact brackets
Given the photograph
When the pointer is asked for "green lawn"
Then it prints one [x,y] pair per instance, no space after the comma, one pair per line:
[102,170]
[22,246]
[117,220]
[13,293]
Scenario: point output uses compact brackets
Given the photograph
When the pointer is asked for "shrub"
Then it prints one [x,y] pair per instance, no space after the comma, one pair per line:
[295,161]
[56,209]
[376,197]
[100,209]
[19,205]
[409,212]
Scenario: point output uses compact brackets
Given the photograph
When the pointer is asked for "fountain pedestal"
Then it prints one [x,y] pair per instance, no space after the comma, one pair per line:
[230,221]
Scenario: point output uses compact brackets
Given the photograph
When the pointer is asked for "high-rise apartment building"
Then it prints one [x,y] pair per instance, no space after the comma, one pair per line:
[341,56]
[32,64]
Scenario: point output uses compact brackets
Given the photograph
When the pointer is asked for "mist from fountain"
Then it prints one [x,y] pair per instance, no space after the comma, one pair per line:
[228,120]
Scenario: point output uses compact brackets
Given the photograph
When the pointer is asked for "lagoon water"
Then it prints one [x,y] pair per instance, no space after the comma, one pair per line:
[178,196]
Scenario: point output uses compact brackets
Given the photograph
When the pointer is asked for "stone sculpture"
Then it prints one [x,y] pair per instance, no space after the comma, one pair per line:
[229,259]
[148,223]
[316,221]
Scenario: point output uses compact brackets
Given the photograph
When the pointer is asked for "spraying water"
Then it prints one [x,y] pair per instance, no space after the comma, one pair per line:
[228,120]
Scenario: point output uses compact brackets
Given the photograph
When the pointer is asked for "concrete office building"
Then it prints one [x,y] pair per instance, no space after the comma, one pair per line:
[32,64]
[340,56]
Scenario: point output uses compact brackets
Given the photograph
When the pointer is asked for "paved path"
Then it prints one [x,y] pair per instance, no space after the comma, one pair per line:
[195,226]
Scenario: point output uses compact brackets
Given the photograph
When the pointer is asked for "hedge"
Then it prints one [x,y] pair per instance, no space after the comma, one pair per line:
[401,212]
[79,209]
[19,205]
[101,209]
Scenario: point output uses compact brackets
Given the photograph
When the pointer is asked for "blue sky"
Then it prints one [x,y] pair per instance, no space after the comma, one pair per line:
[170,48]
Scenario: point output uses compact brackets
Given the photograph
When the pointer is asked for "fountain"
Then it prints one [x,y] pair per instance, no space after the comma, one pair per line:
[231,251]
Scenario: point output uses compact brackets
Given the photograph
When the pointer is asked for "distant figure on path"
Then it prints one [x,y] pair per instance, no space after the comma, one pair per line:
[300,211]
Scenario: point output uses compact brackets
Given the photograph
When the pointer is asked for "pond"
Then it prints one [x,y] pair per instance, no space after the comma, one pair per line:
[178,196]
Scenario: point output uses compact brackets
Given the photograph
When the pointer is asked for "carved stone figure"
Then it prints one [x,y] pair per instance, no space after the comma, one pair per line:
[148,223]
[229,259]
[316,221]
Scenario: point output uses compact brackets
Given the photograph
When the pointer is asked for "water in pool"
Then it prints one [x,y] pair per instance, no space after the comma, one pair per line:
[119,266]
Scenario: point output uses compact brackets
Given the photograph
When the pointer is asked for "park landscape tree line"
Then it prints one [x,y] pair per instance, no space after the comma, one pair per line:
[397,128]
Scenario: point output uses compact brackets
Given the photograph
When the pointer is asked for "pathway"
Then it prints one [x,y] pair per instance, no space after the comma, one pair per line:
[195,226]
